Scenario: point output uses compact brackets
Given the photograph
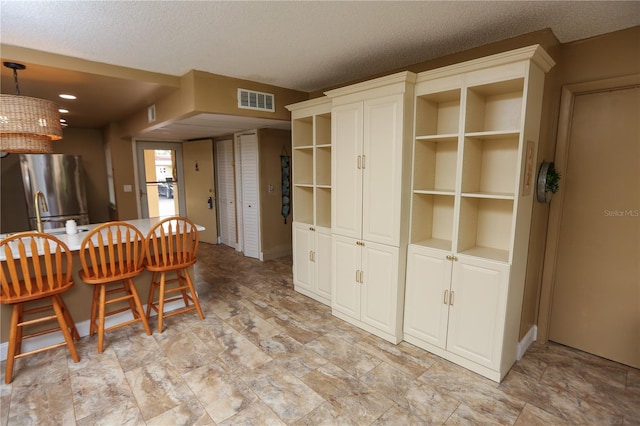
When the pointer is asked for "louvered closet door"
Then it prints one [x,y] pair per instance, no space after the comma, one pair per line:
[250,198]
[226,192]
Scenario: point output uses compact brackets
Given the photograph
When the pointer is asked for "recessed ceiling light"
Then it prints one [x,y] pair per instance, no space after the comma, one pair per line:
[63,111]
[65,96]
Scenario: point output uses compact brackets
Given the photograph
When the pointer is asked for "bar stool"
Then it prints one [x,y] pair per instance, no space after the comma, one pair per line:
[36,267]
[171,246]
[111,256]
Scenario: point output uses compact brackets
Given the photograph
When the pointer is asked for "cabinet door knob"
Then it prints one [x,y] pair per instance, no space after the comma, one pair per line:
[446,297]
[359,162]
[451,298]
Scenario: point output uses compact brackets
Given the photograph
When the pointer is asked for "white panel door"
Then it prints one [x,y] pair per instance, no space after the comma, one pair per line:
[250,175]
[427,295]
[323,262]
[345,290]
[302,248]
[379,281]
[477,309]
[382,168]
[226,192]
[346,203]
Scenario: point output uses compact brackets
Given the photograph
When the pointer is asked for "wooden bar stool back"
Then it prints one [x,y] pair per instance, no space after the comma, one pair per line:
[36,268]
[111,256]
[171,246]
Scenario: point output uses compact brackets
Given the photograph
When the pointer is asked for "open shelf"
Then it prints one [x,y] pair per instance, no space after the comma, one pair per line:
[323,165]
[323,207]
[490,165]
[435,164]
[323,129]
[302,132]
[303,166]
[303,204]
[432,220]
[485,227]
[495,106]
[438,113]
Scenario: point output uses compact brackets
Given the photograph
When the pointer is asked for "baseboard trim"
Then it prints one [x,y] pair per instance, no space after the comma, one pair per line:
[38,342]
[527,340]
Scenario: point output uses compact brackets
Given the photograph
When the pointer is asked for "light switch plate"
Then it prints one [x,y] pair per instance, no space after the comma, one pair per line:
[127,188]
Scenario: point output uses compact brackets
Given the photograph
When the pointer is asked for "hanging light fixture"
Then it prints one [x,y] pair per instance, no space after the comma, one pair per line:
[27,125]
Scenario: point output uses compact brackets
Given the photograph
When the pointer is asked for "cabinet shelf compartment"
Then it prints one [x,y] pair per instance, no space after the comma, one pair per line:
[302,132]
[323,129]
[323,207]
[303,166]
[494,107]
[490,164]
[435,164]
[432,220]
[485,228]
[438,113]
[303,204]
[323,165]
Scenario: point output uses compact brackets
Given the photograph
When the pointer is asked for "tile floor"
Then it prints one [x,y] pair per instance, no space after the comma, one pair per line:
[266,355]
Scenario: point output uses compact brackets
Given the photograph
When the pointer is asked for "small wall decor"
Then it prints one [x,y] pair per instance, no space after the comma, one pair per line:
[285,161]
[548,181]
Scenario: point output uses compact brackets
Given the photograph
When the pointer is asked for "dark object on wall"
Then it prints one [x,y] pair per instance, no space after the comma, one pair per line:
[548,182]
[285,162]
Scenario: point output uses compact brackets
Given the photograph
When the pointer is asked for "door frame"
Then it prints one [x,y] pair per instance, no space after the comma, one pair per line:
[138,161]
[569,93]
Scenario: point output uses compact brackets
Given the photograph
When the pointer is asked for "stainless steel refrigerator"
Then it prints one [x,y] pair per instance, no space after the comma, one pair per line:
[60,178]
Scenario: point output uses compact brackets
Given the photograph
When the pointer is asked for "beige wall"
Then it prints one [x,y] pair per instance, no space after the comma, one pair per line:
[123,173]
[84,142]
[276,235]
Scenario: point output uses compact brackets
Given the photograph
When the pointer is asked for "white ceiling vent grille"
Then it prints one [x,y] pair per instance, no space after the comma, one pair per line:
[250,99]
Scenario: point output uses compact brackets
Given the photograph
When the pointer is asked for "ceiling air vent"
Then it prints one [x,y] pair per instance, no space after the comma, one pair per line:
[250,99]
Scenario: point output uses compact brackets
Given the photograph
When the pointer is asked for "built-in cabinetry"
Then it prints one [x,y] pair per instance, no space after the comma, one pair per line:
[311,196]
[371,134]
[474,160]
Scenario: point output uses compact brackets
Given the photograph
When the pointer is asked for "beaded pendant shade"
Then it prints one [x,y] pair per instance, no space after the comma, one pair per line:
[27,125]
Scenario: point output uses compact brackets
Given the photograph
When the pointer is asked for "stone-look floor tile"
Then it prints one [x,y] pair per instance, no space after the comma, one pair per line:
[188,413]
[157,387]
[414,401]
[478,393]
[344,354]
[259,332]
[100,389]
[184,349]
[240,353]
[289,397]
[328,415]
[34,401]
[534,416]
[395,356]
[256,414]
[220,390]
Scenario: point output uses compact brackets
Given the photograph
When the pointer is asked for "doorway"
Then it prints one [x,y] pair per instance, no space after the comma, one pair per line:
[160,177]
[199,183]
[225,174]
[594,224]
[248,178]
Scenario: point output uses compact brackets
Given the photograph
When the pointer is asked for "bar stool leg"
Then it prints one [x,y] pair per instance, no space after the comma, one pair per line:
[64,328]
[130,286]
[152,292]
[71,326]
[163,278]
[192,290]
[93,326]
[103,297]
[14,335]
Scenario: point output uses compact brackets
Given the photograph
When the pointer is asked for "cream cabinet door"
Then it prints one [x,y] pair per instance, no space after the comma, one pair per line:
[346,258]
[346,192]
[426,308]
[382,169]
[477,310]
[302,248]
[379,286]
[322,263]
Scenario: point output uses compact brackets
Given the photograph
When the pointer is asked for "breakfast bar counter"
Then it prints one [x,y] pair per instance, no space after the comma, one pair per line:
[78,298]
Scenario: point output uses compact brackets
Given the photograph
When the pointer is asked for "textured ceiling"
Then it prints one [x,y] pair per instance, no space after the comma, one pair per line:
[302,45]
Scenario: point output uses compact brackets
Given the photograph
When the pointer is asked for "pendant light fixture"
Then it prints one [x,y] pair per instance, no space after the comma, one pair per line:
[27,125]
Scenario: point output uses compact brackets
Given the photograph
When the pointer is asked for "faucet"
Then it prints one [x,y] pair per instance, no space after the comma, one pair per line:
[39,197]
